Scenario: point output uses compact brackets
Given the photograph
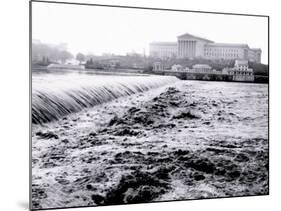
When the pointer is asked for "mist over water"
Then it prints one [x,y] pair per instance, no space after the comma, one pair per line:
[57,95]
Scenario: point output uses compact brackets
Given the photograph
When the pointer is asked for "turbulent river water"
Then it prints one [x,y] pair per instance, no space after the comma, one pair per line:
[128,139]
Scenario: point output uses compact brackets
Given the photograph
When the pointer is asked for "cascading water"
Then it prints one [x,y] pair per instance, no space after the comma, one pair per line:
[54,96]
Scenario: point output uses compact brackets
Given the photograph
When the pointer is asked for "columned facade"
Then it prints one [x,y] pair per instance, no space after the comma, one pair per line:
[190,46]
[186,48]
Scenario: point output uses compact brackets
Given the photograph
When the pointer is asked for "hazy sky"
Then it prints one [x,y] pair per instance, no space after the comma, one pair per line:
[97,30]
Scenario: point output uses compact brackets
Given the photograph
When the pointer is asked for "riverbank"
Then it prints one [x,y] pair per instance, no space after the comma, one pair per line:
[181,75]
[187,140]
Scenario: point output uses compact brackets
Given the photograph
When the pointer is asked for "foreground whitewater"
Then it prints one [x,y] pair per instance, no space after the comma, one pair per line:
[185,140]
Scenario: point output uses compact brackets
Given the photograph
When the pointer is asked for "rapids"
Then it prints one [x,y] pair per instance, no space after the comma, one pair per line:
[57,95]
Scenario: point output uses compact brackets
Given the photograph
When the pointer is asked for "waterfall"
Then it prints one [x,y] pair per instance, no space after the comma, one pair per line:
[56,96]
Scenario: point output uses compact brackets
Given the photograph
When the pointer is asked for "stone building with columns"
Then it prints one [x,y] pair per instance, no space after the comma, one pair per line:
[163,49]
[190,46]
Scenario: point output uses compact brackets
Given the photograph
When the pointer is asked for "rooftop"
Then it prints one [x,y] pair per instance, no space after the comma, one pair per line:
[241,62]
[228,45]
[201,66]
[256,49]
[190,36]
[164,43]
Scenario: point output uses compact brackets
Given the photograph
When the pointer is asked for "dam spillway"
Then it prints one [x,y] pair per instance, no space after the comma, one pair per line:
[55,96]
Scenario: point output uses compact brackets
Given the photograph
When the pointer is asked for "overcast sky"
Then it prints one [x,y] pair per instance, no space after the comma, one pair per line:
[97,30]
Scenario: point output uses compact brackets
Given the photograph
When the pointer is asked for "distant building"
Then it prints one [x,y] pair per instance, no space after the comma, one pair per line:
[113,63]
[201,68]
[240,71]
[138,66]
[190,46]
[158,66]
[254,55]
[177,67]
[163,49]
[72,61]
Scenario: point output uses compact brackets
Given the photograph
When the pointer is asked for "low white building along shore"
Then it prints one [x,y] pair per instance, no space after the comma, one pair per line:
[201,68]
[240,71]
[190,46]
[177,67]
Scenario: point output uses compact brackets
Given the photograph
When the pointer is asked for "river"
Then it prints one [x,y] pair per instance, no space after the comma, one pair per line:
[102,139]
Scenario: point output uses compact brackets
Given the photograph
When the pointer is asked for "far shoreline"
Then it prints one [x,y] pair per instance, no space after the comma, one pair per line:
[140,72]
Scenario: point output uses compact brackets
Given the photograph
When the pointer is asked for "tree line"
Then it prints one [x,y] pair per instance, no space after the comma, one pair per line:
[45,54]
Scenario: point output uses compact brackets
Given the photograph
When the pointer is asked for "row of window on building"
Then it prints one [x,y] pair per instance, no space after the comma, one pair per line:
[240,71]
[224,55]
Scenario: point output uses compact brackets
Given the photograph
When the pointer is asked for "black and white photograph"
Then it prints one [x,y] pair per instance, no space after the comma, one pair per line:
[138,105]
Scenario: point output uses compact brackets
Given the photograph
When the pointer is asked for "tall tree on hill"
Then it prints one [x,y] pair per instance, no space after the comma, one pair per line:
[80,57]
[64,55]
